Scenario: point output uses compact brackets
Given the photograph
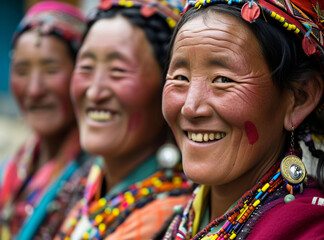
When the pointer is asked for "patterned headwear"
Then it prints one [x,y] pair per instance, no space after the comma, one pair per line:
[62,19]
[170,10]
[304,18]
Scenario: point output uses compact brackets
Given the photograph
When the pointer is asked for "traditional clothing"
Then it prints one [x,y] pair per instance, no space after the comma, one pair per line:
[27,196]
[35,195]
[134,209]
[276,207]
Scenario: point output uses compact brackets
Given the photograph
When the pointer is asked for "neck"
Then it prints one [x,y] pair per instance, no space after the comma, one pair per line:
[116,169]
[223,196]
[52,145]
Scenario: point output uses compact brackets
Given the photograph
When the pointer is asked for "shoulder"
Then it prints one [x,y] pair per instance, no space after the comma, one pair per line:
[144,222]
[298,219]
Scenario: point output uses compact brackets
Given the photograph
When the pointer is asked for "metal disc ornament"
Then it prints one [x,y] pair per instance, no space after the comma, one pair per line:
[293,169]
[168,156]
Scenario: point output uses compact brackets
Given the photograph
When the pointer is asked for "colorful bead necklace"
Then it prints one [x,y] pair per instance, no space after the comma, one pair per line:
[181,226]
[99,218]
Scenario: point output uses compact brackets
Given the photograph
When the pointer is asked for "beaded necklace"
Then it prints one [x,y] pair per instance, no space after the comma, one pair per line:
[101,217]
[181,226]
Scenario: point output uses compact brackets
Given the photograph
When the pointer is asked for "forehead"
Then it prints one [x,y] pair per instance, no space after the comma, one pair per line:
[115,33]
[31,44]
[218,31]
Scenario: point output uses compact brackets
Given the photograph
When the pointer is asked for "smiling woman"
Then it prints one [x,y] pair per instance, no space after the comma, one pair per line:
[36,183]
[116,91]
[241,76]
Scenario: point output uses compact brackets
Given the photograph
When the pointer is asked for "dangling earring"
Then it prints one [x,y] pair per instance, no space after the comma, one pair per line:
[292,168]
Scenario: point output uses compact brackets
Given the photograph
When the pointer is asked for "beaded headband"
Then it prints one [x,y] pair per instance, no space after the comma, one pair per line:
[170,10]
[60,18]
[305,18]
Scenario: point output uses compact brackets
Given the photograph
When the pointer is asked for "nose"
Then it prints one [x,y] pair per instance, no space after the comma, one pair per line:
[37,86]
[99,89]
[196,103]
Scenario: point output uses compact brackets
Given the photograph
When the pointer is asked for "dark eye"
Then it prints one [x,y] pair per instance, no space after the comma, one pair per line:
[222,79]
[86,67]
[181,78]
[52,70]
[120,70]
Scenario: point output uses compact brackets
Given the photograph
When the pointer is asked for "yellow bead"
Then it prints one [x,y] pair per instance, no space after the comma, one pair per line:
[277,17]
[273,14]
[128,194]
[129,4]
[107,211]
[98,219]
[122,2]
[289,27]
[102,227]
[102,202]
[282,19]
[256,203]
[285,24]
[297,30]
[171,22]
[115,212]
[73,221]
[145,191]
[233,236]
[130,200]
[265,187]
[86,235]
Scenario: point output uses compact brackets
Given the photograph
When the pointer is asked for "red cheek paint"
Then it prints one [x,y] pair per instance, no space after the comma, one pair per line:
[134,121]
[251,132]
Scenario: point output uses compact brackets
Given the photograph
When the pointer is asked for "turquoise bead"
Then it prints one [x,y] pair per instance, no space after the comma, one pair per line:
[289,198]
[178,209]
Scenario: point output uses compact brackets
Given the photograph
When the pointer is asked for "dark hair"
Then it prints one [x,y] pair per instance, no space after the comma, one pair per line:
[284,56]
[155,27]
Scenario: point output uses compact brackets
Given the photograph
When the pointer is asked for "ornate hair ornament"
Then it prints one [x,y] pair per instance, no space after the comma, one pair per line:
[60,18]
[305,18]
[168,9]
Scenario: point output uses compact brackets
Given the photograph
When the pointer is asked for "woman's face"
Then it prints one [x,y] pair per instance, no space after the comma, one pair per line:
[40,80]
[116,90]
[221,103]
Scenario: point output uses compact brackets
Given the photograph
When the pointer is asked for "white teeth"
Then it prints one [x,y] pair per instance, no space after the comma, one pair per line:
[205,137]
[99,115]
[211,136]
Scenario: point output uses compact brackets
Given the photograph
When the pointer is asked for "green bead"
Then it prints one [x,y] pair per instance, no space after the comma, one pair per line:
[289,198]
[178,209]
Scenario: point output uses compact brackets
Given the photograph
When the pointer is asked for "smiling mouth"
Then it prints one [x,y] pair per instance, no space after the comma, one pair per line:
[100,115]
[205,137]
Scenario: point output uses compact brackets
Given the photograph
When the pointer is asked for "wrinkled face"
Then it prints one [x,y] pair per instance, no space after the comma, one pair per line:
[116,89]
[40,80]
[220,101]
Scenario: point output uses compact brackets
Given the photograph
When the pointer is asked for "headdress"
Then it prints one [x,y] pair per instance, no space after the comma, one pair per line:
[304,18]
[169,10]
[60,18]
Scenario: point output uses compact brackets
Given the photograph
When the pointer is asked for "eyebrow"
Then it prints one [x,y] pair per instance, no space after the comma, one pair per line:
[217,62]
[181,63]
[115,55]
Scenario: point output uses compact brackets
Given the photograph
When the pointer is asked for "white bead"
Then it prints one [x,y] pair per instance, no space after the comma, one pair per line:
[168,156]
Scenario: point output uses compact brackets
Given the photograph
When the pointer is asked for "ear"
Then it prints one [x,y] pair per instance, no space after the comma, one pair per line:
[305,99]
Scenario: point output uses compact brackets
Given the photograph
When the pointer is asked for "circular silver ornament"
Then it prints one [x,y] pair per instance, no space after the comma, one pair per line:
[168,156]
[293,169]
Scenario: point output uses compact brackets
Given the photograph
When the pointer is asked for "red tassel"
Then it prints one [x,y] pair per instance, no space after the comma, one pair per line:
[308,46]
[248,13]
